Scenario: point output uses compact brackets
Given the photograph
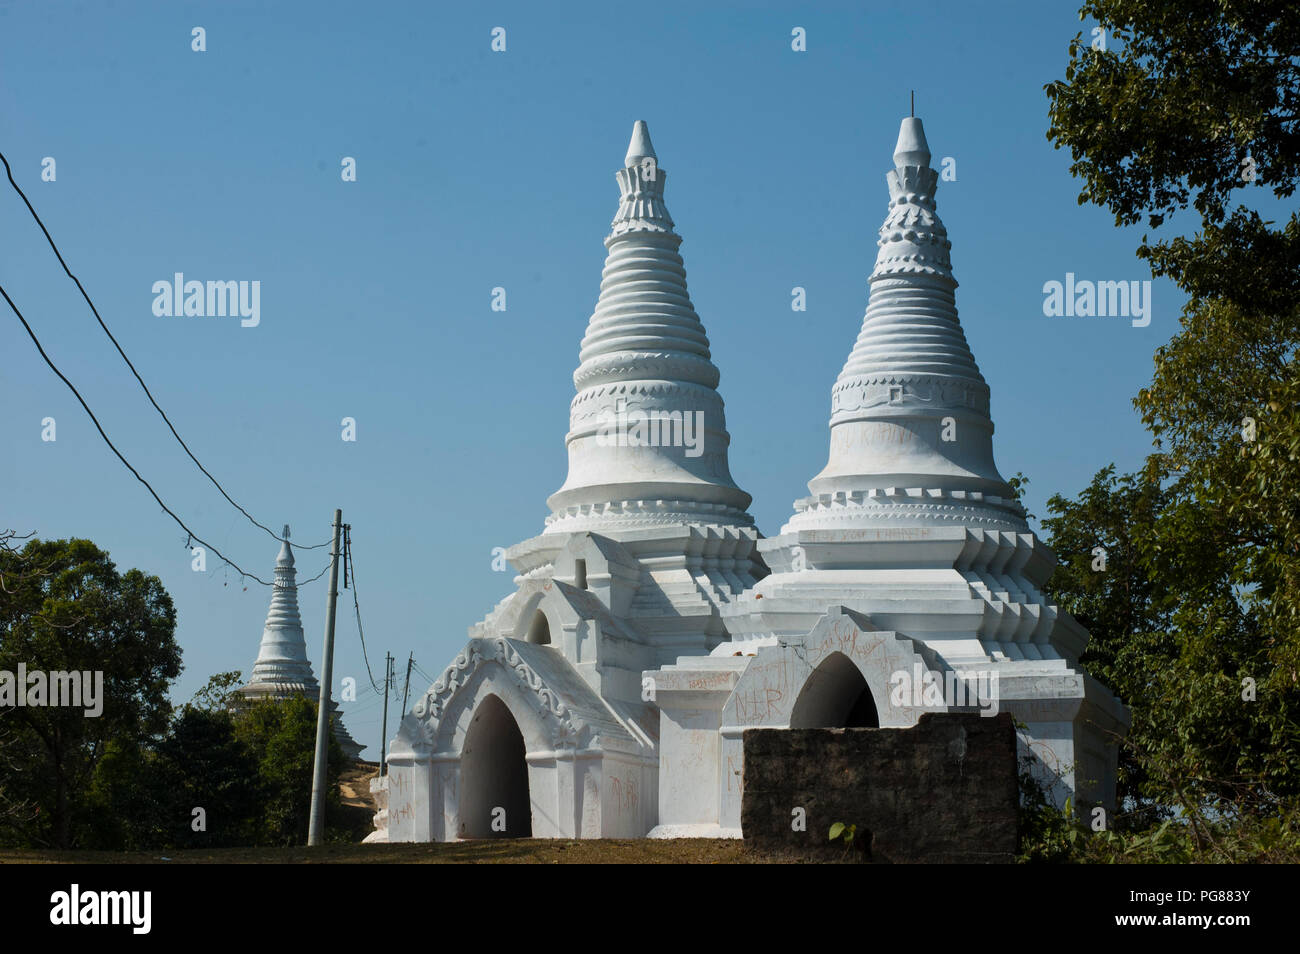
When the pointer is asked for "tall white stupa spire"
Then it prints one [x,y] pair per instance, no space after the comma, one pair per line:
[647,435]
[282,657]
[910,524]
[282,668]
[911,437]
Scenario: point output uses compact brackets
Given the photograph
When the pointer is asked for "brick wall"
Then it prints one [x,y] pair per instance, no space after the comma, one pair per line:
[943,791]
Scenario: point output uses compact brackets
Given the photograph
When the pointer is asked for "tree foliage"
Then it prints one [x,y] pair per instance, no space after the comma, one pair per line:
[215,772]
[281,739]
[1191,104]
[1193,107]
[65,607]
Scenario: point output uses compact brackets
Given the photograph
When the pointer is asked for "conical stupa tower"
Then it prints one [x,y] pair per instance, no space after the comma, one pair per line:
[282,665]
[647,435]
[910,484]
[911,436]
[282,669]
[910,523]
[648,539]
[647,444]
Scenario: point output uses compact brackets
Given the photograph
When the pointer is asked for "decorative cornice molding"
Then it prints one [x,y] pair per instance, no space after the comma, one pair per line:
[904,390]
[957,507]
[642,395]
[674,368]
[566,730]
[653,513]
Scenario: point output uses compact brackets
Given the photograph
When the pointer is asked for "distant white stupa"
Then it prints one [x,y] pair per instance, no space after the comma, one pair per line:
[282,669]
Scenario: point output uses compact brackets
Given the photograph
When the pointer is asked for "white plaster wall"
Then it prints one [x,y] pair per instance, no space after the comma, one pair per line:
[732,781]
[589,811]
[1051,746]
[410,796]
[629,798]
[544,796]
[690,748]
[445,797]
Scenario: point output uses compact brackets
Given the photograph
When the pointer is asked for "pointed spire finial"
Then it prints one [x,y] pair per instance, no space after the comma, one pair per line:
[913,103]
[285,557]
[639,148]
[912,149]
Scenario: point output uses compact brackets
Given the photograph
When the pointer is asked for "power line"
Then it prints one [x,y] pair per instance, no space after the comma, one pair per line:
[148,393]
[347,562]
[314,578]
[362,708]
[114,449]
[365,692]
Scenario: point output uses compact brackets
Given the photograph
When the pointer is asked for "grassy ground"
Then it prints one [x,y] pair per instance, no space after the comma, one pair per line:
[359,809]
[491,851]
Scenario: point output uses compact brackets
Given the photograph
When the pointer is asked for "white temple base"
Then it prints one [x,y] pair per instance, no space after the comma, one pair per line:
[693,831]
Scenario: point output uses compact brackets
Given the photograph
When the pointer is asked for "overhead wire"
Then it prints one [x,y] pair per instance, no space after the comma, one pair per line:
[316,577]
[145,387]
[113,447]
[347,562]
[191,535]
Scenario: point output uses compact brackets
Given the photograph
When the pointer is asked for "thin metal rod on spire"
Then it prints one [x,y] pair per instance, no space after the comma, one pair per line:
[913,104]
[316,827]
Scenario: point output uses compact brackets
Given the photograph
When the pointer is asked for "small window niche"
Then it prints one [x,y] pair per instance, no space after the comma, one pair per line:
[539,630]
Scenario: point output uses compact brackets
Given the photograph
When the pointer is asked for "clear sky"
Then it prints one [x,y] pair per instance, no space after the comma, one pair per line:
[479,169]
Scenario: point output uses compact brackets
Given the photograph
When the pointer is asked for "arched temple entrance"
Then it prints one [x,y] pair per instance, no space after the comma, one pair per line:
[836,696]
[494,775]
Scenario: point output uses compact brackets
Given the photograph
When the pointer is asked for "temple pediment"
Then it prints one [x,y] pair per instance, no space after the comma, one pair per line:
[554,706]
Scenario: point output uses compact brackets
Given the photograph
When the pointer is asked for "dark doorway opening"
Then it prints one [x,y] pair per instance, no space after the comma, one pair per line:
[835,697]
[494,799]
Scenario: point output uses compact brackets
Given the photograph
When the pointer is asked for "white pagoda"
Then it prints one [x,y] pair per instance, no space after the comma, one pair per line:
[606,696]
[282,669]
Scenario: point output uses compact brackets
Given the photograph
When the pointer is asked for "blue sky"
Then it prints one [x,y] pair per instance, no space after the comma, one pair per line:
[478,169]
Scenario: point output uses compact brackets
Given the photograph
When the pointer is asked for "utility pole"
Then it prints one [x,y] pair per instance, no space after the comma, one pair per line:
[407,688]
[383,733]
[316,827]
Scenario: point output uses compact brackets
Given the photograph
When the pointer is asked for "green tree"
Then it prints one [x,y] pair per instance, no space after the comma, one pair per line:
[125,802]
[65,607]
[1192,110]
[1125,608]
[281,736]
[205,765]
[219,693]
[1192,103]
